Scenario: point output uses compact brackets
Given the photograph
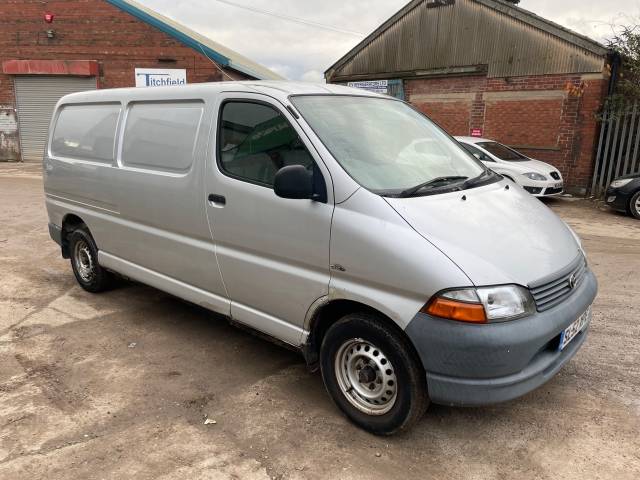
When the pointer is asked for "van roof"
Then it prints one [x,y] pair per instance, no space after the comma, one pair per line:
[278,89]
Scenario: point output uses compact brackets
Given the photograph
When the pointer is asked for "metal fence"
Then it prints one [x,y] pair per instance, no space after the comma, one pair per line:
[619,146]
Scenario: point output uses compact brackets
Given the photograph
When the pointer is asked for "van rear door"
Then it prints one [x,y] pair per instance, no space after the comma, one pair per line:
[273,252]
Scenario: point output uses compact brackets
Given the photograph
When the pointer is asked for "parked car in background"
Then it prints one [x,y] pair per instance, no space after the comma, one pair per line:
[538,178]
[624,194]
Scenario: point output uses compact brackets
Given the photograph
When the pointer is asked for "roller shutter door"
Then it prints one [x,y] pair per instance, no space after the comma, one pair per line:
[36,97]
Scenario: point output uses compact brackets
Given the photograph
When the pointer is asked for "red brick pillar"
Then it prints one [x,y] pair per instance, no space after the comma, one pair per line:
[593,90]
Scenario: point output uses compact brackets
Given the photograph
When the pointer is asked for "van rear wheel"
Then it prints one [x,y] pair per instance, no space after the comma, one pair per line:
[84,262]
[373,374]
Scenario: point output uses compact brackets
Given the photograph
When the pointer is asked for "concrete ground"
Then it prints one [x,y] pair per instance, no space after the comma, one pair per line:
[118,385]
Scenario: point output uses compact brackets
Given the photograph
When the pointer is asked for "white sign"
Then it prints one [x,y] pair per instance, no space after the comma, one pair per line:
[377,86]
[160,77]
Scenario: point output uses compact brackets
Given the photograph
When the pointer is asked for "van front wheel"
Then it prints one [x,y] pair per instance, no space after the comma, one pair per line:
[84,262]
[372,374]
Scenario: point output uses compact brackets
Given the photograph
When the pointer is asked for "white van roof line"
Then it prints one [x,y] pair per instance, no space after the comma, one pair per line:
[278,89]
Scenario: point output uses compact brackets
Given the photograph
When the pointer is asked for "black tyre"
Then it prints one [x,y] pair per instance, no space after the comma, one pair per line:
[84,261]
[373,374]
[634,206]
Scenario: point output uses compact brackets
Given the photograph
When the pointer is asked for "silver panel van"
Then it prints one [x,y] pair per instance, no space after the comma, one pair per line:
[341,222]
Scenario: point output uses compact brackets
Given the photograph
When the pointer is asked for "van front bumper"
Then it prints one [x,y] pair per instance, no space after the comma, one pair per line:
[470,365]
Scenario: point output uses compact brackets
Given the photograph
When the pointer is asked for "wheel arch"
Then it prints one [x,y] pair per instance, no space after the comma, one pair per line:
[631,203]
[70,222]
[328,313]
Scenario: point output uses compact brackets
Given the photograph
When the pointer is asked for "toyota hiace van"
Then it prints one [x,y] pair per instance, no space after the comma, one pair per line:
[405,275]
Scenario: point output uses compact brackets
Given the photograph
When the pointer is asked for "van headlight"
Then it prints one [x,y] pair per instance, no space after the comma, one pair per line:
[482,305]
[535,176]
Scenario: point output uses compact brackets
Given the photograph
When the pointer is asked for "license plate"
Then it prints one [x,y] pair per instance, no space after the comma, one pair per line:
[558,185]
[575,328]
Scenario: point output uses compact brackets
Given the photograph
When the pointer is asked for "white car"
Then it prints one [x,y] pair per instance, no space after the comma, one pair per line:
[538,178]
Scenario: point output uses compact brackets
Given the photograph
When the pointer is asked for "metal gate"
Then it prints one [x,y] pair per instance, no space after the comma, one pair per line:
[618,147]
[36,97]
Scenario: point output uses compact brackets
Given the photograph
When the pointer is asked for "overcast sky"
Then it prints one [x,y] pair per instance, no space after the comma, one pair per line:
[304,52]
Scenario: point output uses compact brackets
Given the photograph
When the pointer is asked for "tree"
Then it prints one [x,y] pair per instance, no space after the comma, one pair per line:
[626,43]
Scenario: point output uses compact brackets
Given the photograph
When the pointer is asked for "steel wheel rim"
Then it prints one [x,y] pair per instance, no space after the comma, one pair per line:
[83,260]
[366,377]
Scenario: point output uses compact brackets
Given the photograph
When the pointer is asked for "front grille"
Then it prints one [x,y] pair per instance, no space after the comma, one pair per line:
[553,191]
[554,289]
[555,175]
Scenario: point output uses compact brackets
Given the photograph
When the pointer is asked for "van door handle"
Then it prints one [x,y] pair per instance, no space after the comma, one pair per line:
[217,199]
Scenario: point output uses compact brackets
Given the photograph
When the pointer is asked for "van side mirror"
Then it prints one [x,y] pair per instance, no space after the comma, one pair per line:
[294,181]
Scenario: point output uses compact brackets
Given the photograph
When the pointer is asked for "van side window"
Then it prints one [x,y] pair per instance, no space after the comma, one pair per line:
[86,132]
[255,141]
[161,135]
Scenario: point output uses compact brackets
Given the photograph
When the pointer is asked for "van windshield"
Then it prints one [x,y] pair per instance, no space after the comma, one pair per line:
[386,146]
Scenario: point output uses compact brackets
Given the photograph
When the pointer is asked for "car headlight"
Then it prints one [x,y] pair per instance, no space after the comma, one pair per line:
[482,305]
[535,176]
[621,183]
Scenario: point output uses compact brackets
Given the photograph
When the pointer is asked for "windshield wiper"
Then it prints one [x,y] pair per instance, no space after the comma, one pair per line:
[431,183]
[472,182]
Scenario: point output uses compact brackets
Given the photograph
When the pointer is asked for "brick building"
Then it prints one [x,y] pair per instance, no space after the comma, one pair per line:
[50,48]
[488,68]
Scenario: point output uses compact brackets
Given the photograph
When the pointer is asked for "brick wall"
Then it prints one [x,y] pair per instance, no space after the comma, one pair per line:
[548,117]
[92,30]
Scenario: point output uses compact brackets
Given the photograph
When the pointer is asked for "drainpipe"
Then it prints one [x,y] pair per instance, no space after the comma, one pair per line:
[616,63]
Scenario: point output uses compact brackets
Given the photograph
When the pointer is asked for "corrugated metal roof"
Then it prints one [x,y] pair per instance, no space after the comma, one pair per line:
[222,55]
[467,36]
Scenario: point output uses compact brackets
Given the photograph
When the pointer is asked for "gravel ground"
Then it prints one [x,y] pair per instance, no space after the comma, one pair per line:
[118,385]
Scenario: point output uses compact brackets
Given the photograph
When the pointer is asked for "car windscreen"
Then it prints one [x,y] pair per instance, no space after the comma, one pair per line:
[385,145]
[502,152]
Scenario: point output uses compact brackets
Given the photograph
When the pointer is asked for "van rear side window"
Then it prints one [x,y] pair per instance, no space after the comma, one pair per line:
[161,136]
[86,132]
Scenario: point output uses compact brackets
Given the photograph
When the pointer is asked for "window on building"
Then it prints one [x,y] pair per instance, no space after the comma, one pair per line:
[161,136]
[86,132]
[256,140]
